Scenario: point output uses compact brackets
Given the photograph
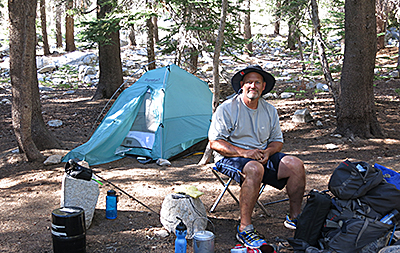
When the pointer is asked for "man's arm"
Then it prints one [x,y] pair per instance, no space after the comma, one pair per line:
[272,148]
[227,149]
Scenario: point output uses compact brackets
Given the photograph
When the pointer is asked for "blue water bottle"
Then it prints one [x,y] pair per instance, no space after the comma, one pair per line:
[111,205]
[180,241]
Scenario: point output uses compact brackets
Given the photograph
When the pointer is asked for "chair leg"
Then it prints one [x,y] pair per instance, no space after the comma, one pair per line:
[259,203]
[226,185]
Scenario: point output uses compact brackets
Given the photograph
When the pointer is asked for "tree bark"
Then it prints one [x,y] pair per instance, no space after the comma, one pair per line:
[151,56]
[356,113]
[247,29]
[23,72]
[381,20]
[321,49]
[58,14]
[155,25]
[69,28]
[109,59]
[277,23]
[291,42]
[132,37]
[218,45]
[194,60]
[46,48]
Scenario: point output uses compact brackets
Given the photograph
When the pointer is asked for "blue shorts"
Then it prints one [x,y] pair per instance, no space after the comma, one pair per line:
[231,166]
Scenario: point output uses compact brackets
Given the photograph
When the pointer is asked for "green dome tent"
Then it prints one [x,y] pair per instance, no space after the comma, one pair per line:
[161,115]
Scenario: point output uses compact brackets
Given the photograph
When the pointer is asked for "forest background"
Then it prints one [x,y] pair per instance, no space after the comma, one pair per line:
[361,101]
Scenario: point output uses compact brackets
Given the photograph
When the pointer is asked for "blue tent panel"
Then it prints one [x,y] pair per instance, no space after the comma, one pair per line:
[178,105]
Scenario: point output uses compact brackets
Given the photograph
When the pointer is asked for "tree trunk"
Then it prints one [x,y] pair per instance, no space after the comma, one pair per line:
[381,19]
[151,56]
[356,114]
[247,29]
[194,60]
[155,25]
[292,39]
[22,15]
[132,37]
[321,49]
[109,59]
[69,28]
[58,14]
[277,23]
[218,45]
[46,49]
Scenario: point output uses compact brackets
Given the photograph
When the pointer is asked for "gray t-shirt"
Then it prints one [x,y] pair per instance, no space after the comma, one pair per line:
[247,128]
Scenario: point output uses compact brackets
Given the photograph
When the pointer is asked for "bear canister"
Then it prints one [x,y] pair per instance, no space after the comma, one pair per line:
[203,242]
[68,230]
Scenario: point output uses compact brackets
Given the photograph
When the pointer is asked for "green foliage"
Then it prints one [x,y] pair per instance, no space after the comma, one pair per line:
[197,22]
[97,30]
[397,91]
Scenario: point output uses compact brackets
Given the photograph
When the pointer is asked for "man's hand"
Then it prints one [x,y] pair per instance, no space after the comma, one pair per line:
[256,154]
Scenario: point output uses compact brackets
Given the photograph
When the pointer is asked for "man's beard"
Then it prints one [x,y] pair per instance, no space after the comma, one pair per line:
[252,94]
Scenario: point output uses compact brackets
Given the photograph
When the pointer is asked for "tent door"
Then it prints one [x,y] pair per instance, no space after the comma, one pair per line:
[142,132]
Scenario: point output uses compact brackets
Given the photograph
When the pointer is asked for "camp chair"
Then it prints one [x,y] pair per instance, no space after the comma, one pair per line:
[226,184]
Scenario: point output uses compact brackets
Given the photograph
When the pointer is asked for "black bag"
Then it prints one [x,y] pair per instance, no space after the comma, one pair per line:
[383,198]
[348,182]
[354,226]
[73,169]
[355,234]
[312,218]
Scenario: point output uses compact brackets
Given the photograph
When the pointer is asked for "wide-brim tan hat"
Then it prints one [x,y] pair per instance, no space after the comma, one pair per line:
[238,77]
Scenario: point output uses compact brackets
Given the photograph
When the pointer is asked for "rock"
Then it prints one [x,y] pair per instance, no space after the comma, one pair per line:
[6,101]
[69,92]
[270,95]
[54,159]
[80,193]
[163,162]
[85,70]
[44,88]
[319,123]
[55,123]
[287,94]
[161,232]
[302,116]
[190,210]
[394,74]
[321,86]
[331,146]
[47,69]
[269,65]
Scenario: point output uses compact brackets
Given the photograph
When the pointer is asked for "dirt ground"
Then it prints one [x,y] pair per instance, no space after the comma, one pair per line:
[30,191]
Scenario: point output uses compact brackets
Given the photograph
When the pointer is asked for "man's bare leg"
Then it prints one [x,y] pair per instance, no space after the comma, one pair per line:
[293,168]
[253,172]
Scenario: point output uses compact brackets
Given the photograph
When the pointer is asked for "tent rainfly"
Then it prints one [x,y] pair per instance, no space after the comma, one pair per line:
[161,115]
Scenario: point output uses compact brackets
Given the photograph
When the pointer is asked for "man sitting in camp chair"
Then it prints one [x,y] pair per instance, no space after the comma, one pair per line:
[246,135]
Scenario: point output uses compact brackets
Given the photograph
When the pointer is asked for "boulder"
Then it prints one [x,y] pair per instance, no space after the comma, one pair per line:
[80,193]
[190,210]
[302,116]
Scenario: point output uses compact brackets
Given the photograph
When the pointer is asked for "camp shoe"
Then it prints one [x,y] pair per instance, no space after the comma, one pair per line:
[249,237]
[290,224]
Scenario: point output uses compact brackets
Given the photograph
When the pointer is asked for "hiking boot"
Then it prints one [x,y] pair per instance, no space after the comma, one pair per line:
[249,237]
[290,224]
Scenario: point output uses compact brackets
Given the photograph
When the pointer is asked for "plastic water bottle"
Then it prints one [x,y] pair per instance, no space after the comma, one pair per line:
[388,217]
[111,205]
[180,241]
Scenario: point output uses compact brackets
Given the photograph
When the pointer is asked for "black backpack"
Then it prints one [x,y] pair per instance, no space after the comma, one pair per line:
[311,221]
[353,180]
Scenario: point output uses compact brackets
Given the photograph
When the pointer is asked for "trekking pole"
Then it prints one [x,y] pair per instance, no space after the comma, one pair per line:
[283,200]
[127,194]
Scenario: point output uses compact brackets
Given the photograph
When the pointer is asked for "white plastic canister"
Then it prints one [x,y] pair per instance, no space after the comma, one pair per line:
[203,242]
